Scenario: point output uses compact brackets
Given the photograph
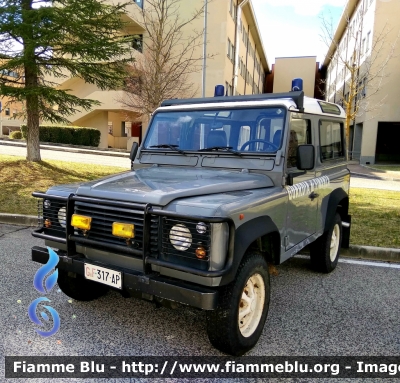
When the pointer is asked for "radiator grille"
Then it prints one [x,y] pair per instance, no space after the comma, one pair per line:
[103,217]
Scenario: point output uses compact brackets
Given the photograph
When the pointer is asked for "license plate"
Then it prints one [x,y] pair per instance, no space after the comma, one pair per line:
[101,274]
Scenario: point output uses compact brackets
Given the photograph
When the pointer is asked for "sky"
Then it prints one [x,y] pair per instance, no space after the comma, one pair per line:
[293,27]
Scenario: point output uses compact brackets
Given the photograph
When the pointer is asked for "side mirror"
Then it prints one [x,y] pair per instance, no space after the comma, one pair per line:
[305,157]
[134,150]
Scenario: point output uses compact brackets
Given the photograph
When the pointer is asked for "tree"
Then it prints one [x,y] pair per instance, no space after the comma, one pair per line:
[170,56]
[47,41]
[360,61]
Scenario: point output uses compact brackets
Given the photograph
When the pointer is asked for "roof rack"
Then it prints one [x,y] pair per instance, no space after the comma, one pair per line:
[297,97]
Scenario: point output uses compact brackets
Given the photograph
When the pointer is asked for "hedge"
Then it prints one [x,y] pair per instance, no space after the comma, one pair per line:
[16,135]
[72,135]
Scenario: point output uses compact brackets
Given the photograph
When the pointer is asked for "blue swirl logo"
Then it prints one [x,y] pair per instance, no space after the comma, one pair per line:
[39,282]
[44,285]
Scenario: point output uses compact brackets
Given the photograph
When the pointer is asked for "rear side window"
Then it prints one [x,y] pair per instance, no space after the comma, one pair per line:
[331,140]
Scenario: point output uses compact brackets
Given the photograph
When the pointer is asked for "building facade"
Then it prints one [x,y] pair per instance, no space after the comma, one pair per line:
[367,36]
[238,61]
[10,112]
[286,69]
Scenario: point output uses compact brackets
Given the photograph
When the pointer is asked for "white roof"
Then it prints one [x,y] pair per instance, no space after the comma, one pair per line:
[311,105]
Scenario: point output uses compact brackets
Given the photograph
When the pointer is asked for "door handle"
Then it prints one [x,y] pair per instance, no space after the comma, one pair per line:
[313,195]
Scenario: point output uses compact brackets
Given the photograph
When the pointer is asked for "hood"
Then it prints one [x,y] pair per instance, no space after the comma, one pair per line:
[160,186]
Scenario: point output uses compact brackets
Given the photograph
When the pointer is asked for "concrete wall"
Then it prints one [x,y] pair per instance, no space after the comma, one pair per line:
[288,68]
[98,120]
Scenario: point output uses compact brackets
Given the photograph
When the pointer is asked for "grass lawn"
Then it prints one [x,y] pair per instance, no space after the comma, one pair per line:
[375,213]
[375,217]
[19,178]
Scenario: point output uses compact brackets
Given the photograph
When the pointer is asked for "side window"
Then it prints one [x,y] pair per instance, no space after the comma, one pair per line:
[331,140]
[300,134]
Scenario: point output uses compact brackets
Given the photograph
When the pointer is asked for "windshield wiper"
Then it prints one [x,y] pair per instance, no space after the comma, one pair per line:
[224,148]
[167,146]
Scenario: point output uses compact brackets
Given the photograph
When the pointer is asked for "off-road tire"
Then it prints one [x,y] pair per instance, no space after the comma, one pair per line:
[224,328]
[79,288]
[324,252]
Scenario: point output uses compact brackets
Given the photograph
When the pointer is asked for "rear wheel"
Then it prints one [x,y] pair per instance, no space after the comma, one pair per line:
[79,288]
[324,252]
[236,325]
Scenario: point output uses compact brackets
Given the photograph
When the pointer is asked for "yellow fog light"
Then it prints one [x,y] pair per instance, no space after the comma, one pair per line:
[81,221]
[124,230]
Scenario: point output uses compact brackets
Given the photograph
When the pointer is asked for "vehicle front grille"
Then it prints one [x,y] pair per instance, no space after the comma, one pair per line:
[50,217]
[187,257]
[104,215]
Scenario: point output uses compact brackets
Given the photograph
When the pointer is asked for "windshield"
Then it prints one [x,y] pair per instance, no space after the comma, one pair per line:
[240,130]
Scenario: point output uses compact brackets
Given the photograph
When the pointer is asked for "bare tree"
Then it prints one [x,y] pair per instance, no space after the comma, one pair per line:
[359,62]
[170,56]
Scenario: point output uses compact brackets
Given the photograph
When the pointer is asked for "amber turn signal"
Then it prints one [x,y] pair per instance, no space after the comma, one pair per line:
[81,222]
[47,223]
[201,252]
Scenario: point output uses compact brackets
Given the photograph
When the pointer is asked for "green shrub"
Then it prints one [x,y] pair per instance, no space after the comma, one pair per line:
[72,135]
[17,135]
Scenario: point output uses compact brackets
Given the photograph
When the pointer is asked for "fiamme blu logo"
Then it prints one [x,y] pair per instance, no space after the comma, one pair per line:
[44,280]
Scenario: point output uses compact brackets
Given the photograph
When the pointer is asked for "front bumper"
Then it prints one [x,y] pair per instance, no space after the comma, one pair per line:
[148,285]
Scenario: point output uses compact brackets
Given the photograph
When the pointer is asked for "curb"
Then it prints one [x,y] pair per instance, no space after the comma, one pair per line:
[19,219]
[69,148]
[355,251]
[372,253]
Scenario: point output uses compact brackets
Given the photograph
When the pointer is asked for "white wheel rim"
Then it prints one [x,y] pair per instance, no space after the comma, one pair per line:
[251,305]
[335,239]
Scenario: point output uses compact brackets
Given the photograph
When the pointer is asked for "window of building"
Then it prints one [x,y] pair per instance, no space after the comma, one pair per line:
[367,41]
[137,42]
[7,111]
[139,3]
[14,113]
[231,50]
[362,47]
[331,140]
[245,37]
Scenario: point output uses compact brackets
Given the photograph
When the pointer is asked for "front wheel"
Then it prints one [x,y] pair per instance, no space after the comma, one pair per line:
[236,325]
[79,288]
[324,252]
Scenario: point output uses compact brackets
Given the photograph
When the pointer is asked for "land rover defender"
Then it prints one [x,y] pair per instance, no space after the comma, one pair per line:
[219,188]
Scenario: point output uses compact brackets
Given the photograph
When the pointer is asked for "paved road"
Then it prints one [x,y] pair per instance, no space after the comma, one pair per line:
[124,163]
[362,182]
[353,311]
[69,156]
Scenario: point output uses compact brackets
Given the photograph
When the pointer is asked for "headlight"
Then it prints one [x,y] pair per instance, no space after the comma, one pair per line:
[201,228]
[47,204]
[62,217]
[180,237]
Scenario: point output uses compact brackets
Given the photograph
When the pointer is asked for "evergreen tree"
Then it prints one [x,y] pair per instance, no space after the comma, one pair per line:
[45,42]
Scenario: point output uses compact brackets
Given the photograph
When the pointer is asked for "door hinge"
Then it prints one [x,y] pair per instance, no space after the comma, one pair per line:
[286,241]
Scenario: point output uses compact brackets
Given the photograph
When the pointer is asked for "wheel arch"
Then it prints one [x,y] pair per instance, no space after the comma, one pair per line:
[338,202]
[260,232]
